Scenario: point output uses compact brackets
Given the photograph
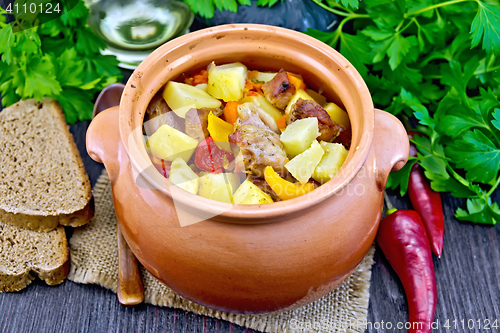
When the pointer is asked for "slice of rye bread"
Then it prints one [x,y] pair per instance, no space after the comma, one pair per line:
[43,182]
[26,253]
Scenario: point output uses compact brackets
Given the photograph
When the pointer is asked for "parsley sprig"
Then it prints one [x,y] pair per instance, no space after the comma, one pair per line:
[59,59]
[439,63]
[206,8]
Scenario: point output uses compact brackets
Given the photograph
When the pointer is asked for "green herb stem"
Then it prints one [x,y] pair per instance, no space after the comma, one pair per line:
[487,70]
[406,26]
[442,4]
[338,31]
[459,178]
[347,14]
[493,188]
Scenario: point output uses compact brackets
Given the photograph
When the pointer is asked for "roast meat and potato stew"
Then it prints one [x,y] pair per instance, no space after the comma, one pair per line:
[244,136]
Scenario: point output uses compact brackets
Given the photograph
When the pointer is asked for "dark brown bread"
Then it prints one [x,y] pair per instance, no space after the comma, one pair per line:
[26,253]
[43,182]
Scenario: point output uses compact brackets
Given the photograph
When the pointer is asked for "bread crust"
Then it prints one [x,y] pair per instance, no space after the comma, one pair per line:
[48,223]
[53,270]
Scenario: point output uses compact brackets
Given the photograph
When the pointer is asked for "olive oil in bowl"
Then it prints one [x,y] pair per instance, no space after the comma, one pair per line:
[132,29]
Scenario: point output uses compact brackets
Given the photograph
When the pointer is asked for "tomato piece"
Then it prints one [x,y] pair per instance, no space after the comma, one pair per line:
[211,158]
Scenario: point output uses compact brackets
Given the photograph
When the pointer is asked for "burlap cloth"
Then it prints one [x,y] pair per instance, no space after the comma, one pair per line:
[94,259]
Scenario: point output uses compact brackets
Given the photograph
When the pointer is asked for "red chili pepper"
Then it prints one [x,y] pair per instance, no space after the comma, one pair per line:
[427,203]
[210,158]
[403,239]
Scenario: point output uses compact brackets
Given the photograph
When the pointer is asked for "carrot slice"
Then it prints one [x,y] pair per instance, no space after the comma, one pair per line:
[298,83]
[231,112]
[281,122]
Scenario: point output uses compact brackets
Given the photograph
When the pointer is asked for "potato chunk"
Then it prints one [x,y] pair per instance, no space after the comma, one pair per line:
[337,114]
[168,143]
[178,95]
[250,194]
[299,135]
[219,186]
[227,82]
[202,86]
[265,76]
[183,176]
[320,99]
[329,166]
[302,166]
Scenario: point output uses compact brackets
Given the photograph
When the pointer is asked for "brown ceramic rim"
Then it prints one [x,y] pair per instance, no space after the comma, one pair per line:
[150,76]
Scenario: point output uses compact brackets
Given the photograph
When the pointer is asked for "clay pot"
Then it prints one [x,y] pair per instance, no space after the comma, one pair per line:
[250,259]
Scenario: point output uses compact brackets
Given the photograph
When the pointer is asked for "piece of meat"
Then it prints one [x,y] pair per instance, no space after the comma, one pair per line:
[259,118]
[264,186]
[344,138]
[328,129]
[197,122]
[255,146]
[279,90]
[157,114]
[248,115]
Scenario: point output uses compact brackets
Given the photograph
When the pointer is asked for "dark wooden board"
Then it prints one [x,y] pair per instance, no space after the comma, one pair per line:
[468,278]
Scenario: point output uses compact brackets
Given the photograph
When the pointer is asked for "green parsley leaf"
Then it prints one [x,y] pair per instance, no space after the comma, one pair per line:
[346,3]
[103,67]
[87,42]
[230,5]
[380,48]
[41,80]
[400,177]
[262,3]
[29,41]
[203,8]
[434,163]
[325,37]
[206,8]
[422,114]
[412,102]
[354,48]
[398,50]
[50,60]
[440,184]
[376,34]
[77,11]
[464,119]
[486,24]
[484,105]
[13,83]
[479,211]
[477,154]
[7,40]
[69,68]
[76,104]
[496,116]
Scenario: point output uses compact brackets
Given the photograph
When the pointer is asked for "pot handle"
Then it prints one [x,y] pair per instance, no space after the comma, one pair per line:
[390,147]
[103,141]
